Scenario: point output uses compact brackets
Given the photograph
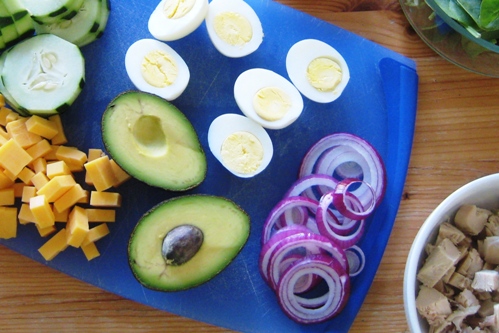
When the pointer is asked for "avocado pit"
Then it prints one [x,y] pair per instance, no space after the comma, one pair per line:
[181,244]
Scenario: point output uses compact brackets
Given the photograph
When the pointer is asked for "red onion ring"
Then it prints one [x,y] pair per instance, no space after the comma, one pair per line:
[373,171]
[356,260]
[342,201]
[304,186]
[312,243]
[307,311]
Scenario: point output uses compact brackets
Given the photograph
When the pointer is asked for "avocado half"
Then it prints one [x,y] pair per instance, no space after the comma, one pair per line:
[225,229]
[153,141]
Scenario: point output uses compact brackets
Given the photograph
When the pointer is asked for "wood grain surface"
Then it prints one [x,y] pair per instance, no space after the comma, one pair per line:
[456,141]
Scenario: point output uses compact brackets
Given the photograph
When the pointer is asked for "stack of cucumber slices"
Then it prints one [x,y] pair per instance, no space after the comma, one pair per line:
[42,70]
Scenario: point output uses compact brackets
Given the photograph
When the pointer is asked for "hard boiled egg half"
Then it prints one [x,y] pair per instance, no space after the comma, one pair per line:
[240,144]
[317,70]
[267,98]
[175,19]
[233,27]
[155,67]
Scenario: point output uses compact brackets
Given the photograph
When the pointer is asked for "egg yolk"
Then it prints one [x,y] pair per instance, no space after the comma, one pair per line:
[233,28]
[324,74]
[174,9]
[242,152]
[271,103]
[159,69]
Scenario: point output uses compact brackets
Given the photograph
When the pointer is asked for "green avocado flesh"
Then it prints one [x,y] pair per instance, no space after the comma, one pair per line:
[153,141]
[225,228]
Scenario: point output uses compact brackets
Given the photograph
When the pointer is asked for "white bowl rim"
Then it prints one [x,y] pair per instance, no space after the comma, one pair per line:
[465,194]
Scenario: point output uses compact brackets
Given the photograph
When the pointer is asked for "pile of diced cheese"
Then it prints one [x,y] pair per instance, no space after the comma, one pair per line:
[37,169]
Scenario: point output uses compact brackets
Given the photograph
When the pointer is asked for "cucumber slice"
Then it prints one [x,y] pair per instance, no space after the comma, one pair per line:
[8,97]
[22,19]
[7,26]
[101,25]
[53,10]
[44,74]
[83,23]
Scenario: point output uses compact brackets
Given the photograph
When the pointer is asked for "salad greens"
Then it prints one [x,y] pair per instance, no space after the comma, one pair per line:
[479,17]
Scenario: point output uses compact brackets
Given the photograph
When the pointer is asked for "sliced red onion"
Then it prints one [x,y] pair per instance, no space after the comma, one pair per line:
[341,197]
[311,244]
[319,309]
[356,260]
[270,226]
[273,242]
[373,170]
[304,186]
[306,282]
[344,241]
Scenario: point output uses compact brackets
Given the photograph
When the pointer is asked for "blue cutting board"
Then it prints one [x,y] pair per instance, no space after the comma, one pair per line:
[379,105]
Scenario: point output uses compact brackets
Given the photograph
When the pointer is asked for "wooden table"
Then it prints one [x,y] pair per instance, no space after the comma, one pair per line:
[456,141]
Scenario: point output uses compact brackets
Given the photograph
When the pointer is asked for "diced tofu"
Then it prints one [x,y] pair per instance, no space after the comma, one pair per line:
[56,187]
[101,173]
[41,126]
[105,199]
[55,245]
[77,226]
[8,222]
[13,157]
[42,211]
[7,197]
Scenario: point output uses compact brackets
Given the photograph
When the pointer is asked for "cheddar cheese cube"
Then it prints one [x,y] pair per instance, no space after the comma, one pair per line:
[96,233]
[18,131]
[101,215]
[28,193]
[39,165]
[70,198]
[58,168]
[5,181]
[42,211]
[7,197]
[120,174]
[18,189]
[39,149]
[60,137]
[77,226]
[13,157]
[101,173]
[41,126]
[44,232]
[105,199]
[71,155]
[26,175]
[55,245]
[93,154]
[25,215]
[8,222]
[56,187]
[90,251]
[61,216]
[39,180]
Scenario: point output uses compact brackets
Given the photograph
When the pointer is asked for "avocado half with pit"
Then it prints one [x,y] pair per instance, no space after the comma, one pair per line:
[186,241]
[153,141]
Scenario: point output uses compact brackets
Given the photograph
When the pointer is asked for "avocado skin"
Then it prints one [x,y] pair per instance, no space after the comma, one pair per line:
[172,172]
[226,229]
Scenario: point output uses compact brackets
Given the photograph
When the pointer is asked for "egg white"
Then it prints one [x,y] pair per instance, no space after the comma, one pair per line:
[169,29]
[251,81]
[238,6]
[299,57]
[133,60]
[226,124]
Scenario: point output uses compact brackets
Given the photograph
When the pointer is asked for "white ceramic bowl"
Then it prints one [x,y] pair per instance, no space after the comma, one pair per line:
[483,192]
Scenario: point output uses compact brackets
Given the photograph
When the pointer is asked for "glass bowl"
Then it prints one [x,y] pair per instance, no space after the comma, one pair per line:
[450,39]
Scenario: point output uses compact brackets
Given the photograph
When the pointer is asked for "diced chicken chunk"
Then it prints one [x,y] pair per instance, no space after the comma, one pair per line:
[491,249]
[441,259]
[492,321]
[486,280]
[433,306]
[471,264]
[471,219]
[450,232]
